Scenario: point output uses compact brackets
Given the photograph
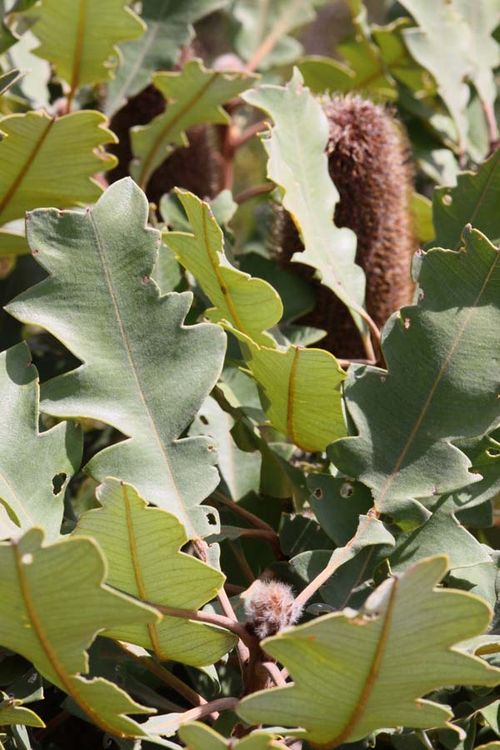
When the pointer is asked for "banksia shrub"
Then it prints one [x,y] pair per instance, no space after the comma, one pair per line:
[214,534]
[368,160]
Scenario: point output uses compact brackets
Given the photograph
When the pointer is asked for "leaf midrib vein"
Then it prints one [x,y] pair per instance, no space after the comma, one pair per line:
[136,566]
[373,673]
[133,368]
[47,648]
[169,125]
[9,194]
[290,413]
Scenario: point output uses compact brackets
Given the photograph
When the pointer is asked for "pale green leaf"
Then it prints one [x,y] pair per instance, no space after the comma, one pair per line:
[195,95]
[240,469]
[54,603]
[261,22]
[469,52]
[142,546]
[407,417]
[474,199]
[356,659]
[169,27]
[198,736]
[441,533]
[79,39]
[13,712]
[298,163]
[300,387]
[143,371]
[49,161]
[250,305]
[33,495]
[301,392]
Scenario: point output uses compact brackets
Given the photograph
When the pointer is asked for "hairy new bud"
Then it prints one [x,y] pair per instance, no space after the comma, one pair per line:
[368,160]
[270,607]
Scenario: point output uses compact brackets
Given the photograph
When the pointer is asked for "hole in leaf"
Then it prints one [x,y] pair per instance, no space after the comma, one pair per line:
[203,419]
[493,452]
[346,490]
[318,493]
[407,323]
[211,519]
[447,200]
[58,482]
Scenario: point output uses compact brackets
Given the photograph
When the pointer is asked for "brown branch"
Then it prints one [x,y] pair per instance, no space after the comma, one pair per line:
[211,618]
[248,133]
[254,192]
[243,512]
[243,563]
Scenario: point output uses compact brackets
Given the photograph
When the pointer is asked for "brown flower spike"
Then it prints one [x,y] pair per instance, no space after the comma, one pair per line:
[369,162]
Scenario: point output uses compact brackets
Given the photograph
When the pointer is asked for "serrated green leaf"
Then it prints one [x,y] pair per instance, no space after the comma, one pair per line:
[32,496]
[470,51]
[356,659]
[198,736]
[142,546]
[300,387]
[79,39]
[54,603]
[13,712]
[474,199]
[49,161]
[144,372]
[301,392]
[265,21]
[484,454]
[407,417]
[169,27]
[441,533]
[250,305]
[195,95]
[299,165]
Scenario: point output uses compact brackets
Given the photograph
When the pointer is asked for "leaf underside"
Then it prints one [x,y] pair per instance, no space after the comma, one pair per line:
[143,371]
[356,659]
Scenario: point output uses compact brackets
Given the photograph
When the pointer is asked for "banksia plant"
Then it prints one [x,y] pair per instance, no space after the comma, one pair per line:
[213,532]
[369,162]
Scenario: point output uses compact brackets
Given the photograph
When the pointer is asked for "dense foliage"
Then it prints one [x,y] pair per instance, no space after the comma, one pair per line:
[249,374]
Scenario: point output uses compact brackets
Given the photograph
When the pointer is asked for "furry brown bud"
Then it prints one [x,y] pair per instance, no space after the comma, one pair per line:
[270,607]
[368,160]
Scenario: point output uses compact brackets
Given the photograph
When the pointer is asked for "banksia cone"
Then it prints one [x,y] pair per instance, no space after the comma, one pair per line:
[270,607]
[195,168]
[368,161]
